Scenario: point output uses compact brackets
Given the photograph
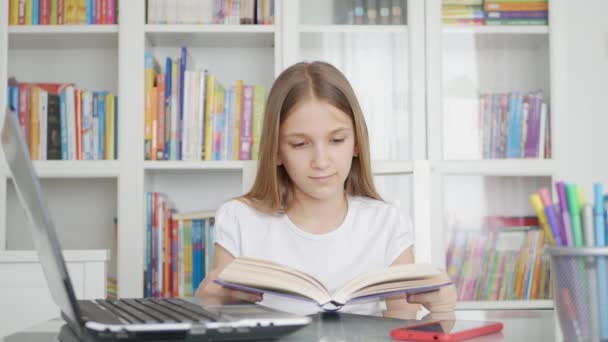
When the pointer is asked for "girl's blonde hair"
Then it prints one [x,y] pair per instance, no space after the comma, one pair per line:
[300,82]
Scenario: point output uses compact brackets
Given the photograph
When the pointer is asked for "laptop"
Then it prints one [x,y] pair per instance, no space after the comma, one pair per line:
[136,318]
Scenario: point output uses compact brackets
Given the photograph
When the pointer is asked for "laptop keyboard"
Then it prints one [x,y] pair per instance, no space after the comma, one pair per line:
[159,310]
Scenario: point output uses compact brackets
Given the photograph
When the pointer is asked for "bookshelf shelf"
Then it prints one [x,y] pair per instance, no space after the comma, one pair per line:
[68,255]
[500,167]
[505,305]
[353,29]
[197,165]
[63,37]
[211,35]
[525,30]
[74,169]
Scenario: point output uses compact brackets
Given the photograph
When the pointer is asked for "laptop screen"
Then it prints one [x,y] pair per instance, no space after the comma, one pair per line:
[41,227]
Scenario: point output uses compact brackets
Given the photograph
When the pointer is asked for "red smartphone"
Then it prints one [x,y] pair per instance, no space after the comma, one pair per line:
[445,330]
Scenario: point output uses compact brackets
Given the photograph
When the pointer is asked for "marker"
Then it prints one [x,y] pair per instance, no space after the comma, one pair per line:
[600,241]
[552,218]
[575,217]
[565,213]
[537,204]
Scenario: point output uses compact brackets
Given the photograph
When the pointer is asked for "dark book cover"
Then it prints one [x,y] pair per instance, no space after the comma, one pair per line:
[53,128]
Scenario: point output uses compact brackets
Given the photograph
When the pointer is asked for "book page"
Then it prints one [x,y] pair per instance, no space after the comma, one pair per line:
[400,273]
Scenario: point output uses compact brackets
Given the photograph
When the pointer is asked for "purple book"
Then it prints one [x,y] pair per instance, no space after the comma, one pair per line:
[532,134]
[517,15]
[246,123]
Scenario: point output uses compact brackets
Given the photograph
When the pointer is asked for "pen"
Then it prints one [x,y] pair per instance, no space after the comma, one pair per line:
[577,233]
[563,204]
[537,204]
[552,218]
[568,308]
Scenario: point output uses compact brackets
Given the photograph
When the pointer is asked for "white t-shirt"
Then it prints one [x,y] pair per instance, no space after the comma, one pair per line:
[372,235]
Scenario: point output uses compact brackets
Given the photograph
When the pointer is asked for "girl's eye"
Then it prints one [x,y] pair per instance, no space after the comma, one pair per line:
[298,144]
[337,140]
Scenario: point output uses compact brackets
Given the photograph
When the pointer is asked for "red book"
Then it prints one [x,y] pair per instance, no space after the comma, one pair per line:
[24,110]
[60,12]
[98,12]
[511,221]
[21,13]
[45,12]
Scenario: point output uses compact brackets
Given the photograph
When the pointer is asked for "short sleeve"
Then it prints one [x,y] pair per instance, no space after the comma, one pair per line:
[400,234]
[227,228]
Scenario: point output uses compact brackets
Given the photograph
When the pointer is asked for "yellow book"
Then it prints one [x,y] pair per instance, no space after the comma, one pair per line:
[53,18]
[259,99]
[28,12]
[34,122]
[13,18]
[209,113]
[187,257]
[81,12]
[237,119]
[148,125]
[110,126]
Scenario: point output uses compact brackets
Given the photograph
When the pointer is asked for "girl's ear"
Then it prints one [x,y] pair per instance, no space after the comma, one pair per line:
[356,151]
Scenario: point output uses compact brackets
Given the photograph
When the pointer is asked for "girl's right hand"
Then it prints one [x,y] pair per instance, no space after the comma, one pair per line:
[208,290]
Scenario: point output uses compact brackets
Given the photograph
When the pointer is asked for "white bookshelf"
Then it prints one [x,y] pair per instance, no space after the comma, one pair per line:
[413,173]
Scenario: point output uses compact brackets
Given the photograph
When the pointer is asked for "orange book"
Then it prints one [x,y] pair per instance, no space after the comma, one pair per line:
[154,123]
[516,6]
[34,122]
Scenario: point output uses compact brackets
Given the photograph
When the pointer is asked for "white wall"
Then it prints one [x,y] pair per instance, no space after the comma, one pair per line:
[584,160]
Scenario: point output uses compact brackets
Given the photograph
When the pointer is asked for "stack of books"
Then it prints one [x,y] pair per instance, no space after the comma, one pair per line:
[516,12]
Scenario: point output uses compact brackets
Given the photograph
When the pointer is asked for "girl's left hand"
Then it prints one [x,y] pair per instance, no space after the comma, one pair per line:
[441,300]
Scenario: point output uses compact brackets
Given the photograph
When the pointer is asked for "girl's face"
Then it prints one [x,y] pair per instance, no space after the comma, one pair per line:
[316,147]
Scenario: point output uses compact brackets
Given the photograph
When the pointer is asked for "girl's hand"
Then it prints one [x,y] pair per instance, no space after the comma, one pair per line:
[437,301]
[209,291]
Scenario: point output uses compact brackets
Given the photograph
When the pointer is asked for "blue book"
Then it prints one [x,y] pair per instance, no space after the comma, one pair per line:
[93,12]
[515,124]
[89,12]
[13,98]
[101,125]
[35,12]
[196,254]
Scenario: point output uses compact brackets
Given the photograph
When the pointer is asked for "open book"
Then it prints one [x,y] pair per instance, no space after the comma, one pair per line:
[261,276]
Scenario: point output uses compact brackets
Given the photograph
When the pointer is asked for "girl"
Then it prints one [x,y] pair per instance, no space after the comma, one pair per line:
[313,205]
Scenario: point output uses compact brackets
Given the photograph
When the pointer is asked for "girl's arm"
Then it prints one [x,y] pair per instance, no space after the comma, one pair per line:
[437,301]
[210,290]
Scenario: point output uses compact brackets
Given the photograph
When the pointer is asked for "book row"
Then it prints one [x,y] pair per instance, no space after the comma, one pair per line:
[179,248]
[497,125]
[495,12]
[191,115]
[62,12]
[507,263]
[205,12]
[64,122]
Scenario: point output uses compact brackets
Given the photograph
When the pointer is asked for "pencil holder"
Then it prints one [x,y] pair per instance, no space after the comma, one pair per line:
[580,292]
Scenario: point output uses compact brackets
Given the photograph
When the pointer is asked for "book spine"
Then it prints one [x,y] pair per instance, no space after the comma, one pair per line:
[54,128]
[238,107]
[111,12]
[160,124]
[149,242]
[259,96]
[35,12]
[110,117]
[246,123]
[516,6]
[516,22]
[24,112]
[45,12]
[167,105]
[209,114]
[516,15]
